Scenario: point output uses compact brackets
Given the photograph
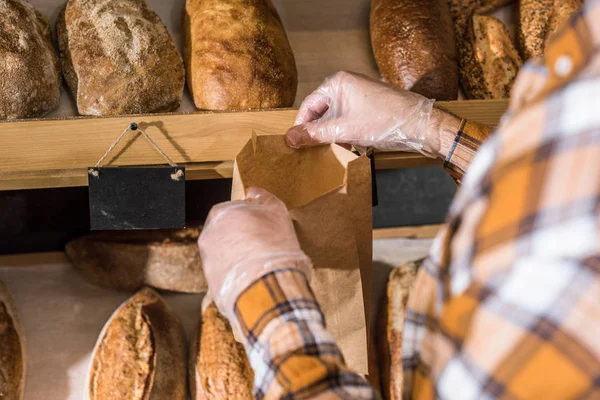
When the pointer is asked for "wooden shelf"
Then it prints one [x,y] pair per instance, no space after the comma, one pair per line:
[57,152]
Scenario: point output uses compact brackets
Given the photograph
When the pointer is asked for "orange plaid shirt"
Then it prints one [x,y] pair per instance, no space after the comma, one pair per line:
[508,303]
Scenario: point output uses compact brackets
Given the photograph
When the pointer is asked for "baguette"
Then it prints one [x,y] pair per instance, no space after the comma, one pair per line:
[12,349]
[140,353]
[414,46]
[29,68]
[391,322]
[237,55]
[118,58]
[219,367]
[167,260]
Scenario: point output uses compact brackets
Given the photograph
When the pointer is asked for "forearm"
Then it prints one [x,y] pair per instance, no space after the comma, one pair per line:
[289,348]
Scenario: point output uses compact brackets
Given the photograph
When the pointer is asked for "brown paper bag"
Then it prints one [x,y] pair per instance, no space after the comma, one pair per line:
[328,192]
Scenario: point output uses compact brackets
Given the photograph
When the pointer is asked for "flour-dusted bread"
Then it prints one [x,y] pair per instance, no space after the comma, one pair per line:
[467,8]
[140,353]
[118,58]
[218,364]
[237,55]
[12,349]
[29,68]
[129,260]
[391,323]
[414,46]
[539,20]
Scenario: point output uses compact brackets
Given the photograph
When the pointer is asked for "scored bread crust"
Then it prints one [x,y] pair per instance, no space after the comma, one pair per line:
[12,349]
[168,259]
[29,71]
[414,46]
[390,327]
[118,58]
[237,55]
[140,353]
[218,364]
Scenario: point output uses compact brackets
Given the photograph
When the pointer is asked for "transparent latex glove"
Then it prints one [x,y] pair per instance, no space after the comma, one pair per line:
[353,109]
[245,240]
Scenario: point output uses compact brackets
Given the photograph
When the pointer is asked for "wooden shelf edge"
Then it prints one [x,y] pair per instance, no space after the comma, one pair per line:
[408,232]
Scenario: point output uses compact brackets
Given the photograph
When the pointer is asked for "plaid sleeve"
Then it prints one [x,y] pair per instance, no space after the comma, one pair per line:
[469,137]
[290,350]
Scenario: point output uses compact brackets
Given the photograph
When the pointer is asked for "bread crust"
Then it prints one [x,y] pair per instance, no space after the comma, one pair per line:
[118,58]
[414,46]
[219,367]
[12,349]
[167,260]
[238,56]
[29,68]
[140,353]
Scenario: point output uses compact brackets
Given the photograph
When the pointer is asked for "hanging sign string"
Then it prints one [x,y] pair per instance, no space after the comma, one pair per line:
[134,127]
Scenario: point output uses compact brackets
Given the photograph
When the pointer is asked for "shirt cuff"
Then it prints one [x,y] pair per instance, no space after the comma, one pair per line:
[463,146]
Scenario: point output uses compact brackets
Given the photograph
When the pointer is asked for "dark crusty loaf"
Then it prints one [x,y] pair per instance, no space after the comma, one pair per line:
[391,322]
[12,349]
[140,353]
[237,55]
[467,8]
[413,43]
[167,260]
[539,20]
[219,367]
[29,69]
[118,58]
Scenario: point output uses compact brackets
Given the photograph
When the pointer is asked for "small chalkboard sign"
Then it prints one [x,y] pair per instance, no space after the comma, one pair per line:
[125,198]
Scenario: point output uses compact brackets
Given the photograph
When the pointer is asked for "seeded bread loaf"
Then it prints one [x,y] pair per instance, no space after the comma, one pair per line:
[29,69]
[391,323]
[219,367]
[539,20]
[12,349]
[140,354]
[414,46]
[237,55]
[118,58]
[129,260]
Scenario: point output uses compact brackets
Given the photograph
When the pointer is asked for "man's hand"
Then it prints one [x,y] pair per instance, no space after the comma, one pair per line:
[245,240]
[353,109]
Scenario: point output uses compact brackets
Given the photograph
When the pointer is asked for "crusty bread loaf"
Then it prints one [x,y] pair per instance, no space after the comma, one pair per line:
[140,353]
[539,20]
[391,323]
[12,349]
[129,260]
[219,367]
[414,47]
[118,58]
[466,8]
[29,69]
[237,55]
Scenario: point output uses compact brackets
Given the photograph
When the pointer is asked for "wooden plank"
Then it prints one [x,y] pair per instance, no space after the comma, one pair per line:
[408,232]
[32,259]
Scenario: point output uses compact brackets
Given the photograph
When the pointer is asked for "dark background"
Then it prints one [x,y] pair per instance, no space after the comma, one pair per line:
[44,220]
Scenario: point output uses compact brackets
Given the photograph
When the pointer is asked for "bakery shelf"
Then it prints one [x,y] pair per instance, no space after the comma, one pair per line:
[51,153]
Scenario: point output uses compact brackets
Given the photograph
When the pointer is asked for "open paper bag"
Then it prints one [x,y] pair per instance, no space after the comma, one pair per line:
[328,192]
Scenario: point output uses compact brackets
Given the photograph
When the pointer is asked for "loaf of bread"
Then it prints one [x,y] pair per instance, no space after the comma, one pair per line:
[219,367]
[140,354]
[237,55]
[466,8]
[118,58]
[414,46]
[29,69]
[539,20]
[12,349]
[391,323]
[129,260]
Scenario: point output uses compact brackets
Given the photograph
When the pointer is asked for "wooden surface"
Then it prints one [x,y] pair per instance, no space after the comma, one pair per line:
[407,232]
[57,152]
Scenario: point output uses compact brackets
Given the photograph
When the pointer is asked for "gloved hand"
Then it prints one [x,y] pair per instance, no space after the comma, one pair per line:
[354,109]
[245,240]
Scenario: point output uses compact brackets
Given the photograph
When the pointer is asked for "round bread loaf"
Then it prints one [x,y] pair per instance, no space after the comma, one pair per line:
[238,56]
[118,58]
[12,349]
[413,43]
[29,69]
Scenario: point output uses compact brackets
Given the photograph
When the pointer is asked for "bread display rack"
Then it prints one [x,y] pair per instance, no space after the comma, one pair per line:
[326,37]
